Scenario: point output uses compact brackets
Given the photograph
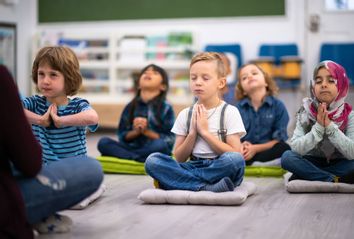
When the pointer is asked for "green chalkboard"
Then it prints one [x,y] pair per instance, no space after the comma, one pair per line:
[97,10]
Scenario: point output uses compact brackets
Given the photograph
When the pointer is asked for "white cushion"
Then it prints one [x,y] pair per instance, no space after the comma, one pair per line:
[236,197]
[305,186]
[274,162]
[93,197]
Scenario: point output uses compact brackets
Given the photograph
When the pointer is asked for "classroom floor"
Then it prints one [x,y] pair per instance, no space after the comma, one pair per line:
[270,213]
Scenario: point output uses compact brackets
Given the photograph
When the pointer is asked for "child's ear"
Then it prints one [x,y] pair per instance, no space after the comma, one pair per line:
[222,83]
[163,87]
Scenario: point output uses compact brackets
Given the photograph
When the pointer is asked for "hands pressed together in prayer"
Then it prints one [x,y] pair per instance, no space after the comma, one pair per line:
[322,115]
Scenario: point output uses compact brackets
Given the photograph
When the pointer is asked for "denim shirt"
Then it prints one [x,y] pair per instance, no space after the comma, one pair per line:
[270,122]
[147,110]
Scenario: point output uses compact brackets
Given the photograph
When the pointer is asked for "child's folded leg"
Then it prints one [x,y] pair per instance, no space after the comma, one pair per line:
[224,185]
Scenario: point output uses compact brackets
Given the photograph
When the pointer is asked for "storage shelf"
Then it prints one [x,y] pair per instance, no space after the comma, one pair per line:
[111,62]
[94,64]
[93,82]
[93,50]
[179,49]
[180,64]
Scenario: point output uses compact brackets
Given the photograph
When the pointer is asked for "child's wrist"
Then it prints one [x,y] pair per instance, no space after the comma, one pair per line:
[192,133]
[331,128]
[204,133]
[59,122]
[137,131]
[43,122]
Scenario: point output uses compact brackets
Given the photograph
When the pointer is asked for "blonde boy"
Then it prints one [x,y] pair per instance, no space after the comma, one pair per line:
[213,165]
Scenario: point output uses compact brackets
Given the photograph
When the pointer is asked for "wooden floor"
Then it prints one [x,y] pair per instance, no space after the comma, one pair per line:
[270,213]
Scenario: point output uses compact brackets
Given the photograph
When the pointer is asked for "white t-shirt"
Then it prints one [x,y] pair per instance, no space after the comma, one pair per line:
[233,124]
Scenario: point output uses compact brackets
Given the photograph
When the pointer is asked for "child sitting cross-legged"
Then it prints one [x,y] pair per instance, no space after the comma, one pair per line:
[264,115]
[59,123]
[146,121]
[215,163]
[322,146]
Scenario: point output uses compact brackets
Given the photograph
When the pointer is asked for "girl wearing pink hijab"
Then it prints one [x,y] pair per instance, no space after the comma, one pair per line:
[323,141]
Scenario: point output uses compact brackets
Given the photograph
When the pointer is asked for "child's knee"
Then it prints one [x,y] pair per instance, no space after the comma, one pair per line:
[102,142]
[286,159]
[97,168]
[94,171]
[236,160]
[152,161]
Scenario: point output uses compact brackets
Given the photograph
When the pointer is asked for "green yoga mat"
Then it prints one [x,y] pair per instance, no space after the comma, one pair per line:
[125,166]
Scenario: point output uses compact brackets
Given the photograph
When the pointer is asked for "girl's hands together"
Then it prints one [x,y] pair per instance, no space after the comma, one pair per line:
[322,115]
[140,124]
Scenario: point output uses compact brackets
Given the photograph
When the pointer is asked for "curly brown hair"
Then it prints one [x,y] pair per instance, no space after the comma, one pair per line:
[272,88]
[61,59]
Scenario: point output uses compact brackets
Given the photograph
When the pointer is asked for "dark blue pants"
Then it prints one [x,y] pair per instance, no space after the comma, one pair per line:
[110,147]
[59,186]
[315,168]
[194,174]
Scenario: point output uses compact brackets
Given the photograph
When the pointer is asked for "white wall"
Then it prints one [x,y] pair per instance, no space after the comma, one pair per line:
[250,32]
[24,14]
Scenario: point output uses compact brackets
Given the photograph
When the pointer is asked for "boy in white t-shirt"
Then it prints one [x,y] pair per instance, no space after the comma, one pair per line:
[214,165]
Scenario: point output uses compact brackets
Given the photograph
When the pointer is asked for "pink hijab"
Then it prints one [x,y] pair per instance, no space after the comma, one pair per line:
[338,109]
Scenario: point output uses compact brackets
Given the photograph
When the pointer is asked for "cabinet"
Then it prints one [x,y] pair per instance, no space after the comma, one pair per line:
[110,63]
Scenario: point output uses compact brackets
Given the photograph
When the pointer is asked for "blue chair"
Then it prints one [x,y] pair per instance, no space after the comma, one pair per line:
[231,48]
[277,51]
[234,49]
[281,54]
[342,53]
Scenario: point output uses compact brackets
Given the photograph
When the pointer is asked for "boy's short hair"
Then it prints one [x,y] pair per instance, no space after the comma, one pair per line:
[272,88]
[211,56]
[61,59]
[227,63]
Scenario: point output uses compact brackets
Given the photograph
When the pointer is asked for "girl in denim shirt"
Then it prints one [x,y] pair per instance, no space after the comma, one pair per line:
[146,121]
[323,141]
[264,116]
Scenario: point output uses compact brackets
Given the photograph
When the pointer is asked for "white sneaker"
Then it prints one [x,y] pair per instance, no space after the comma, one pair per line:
[54,224]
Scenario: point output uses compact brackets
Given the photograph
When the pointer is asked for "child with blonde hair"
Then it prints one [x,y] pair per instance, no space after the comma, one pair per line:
[322,146]
[215,163]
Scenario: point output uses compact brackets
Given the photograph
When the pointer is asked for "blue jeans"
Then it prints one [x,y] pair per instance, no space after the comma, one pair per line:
[315,168]
[110,147]
[59,185]
[194,174]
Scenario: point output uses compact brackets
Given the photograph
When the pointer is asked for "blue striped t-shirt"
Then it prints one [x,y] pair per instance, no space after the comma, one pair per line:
[58,143]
